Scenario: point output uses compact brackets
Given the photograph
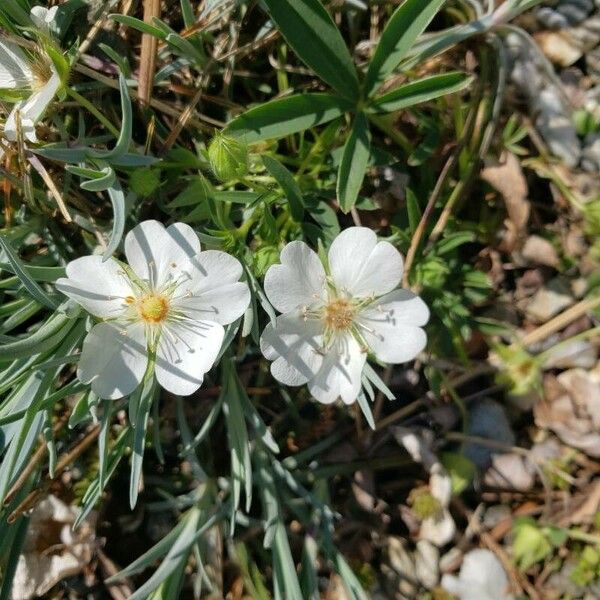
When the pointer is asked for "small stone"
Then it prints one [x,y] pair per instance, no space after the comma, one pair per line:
[539,250]
[560,47]
[579,353]
[510,471]
[549,301]
[555,126]
[487,420]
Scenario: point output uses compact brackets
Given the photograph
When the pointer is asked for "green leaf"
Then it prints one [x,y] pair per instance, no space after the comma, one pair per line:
[177,554]
[48,336]
[419,91]
[288,184]
[139,25]
[413,209]
[363,403]
[122,144]
[406,24]
[117,199]
[139,439]
[284,116]
[354,163]
[28,283]
[310,31]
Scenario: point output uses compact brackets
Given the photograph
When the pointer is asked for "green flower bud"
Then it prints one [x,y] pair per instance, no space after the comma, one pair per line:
[424,505]
[228,157]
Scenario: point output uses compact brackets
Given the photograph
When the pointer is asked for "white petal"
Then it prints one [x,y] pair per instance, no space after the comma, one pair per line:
[100,287]
[32,109]
[361,265]
[340,373]
[15,69]
[295,346]
[213,291]
[113,359]
[43,17]
[222,305]
[439,530]
[391,326]
[186,351]
[298,281]
[158,254]
[482,577]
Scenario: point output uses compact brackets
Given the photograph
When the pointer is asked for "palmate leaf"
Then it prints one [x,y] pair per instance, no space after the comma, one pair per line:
[284,116]
[406,24]
[419,91]
[310,31]
[354,163]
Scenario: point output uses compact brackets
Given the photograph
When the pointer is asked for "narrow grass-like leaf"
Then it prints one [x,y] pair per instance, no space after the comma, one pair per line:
[94,492]
[178,553]
[237,434]
[28,282]
[105,180]
[284,116]
[366,409]
[139,439]
[124,140]
[311,32]
[117,199]
[354,163]
[419,91]
[284,566]
[17,533]
[49,335]
[413,210]
[150,556]
[288,184]
[374,378]
[103,439]
[139,25]
[309,578]
[406,24]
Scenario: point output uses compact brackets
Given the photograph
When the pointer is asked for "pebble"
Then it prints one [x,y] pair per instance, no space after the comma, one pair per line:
[550,300]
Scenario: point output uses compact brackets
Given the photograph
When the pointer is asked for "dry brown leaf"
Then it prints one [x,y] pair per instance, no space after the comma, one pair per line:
[571,408]
[506,176]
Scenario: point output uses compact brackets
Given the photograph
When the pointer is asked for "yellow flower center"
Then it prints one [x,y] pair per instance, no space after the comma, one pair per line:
[153,308]
[339,314]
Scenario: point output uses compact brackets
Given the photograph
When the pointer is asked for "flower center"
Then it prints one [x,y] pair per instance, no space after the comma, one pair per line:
[153,308]
[339,314]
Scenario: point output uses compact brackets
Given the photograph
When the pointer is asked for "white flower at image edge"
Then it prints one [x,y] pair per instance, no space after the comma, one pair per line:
[331,321]
[481,577]
[37,76]
[172,301]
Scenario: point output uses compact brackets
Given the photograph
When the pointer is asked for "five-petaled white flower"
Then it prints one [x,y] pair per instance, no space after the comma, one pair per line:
[170,303]
[32,75]
[332,319]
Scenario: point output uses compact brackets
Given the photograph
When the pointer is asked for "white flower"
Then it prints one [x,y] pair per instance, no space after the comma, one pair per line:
[481,577]
[332,319]
[171,303]
[43,18]
[34,76]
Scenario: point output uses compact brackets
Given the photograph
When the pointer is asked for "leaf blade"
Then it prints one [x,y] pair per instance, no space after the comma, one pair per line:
[311,32]
[285,116]
[354,163]
[406,24]
[420,91]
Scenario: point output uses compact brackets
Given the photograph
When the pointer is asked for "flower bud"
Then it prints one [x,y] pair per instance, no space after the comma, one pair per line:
[228,157]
